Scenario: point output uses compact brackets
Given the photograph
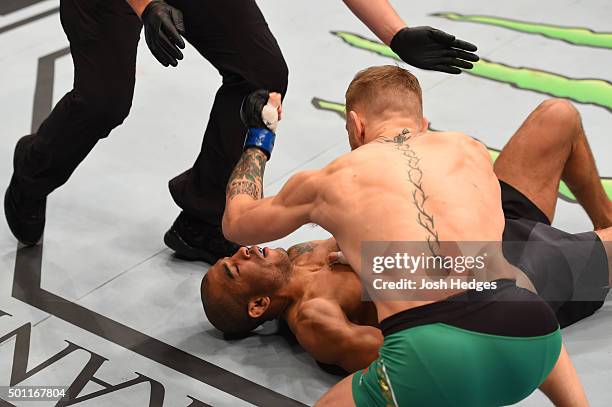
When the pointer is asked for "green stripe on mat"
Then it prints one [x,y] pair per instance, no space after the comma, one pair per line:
[573,35]
[589,91]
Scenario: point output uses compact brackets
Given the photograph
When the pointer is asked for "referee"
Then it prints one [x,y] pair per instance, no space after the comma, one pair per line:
[234,37]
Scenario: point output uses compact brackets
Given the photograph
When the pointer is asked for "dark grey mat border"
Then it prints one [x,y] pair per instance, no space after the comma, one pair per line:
[43,92]
[28,20]
[27,288]
[10,6]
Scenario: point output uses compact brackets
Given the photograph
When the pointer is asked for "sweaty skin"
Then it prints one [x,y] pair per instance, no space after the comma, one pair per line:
[368,184]
[386,190]
[326,313]
[321,302]
[329,319]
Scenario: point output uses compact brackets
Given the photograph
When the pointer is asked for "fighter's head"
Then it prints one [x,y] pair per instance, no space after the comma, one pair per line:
[238,292]
[379,98]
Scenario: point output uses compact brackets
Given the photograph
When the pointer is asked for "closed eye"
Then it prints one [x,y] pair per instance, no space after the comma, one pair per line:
[227,270]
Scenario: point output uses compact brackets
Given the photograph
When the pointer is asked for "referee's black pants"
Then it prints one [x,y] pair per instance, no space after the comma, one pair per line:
[231,34]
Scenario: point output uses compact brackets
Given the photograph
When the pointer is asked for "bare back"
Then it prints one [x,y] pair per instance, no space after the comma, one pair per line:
[410,188]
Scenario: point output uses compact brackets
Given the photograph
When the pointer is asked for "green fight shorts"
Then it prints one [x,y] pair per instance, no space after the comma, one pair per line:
[488,348]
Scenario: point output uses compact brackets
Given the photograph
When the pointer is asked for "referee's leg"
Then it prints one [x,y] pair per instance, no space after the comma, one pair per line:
[235,38]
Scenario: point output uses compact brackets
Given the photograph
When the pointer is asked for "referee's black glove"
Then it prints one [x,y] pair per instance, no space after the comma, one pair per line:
[432,49]
[163,25]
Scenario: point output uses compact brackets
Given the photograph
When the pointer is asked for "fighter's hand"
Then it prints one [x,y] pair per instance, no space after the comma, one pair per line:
[432,49]
[163,25]
[337,258]
[261,109]
[260,112]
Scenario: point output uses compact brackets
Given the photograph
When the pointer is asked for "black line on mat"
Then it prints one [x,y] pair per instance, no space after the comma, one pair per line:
[10,6]
[28,20]
[43,92]
[27,288]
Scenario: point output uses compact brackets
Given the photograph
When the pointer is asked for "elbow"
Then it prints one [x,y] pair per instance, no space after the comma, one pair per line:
[368,352]
[352,364]
[228,227]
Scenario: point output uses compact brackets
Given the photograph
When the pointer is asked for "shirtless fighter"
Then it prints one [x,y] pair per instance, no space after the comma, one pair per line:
[321,299]
[363,185]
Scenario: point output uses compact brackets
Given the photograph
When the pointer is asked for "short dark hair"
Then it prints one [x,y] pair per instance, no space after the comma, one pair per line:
[226,312]
[379,88]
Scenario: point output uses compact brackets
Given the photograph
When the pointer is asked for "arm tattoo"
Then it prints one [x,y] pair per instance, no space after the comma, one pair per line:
[247,177]
[415,177]
[303,247]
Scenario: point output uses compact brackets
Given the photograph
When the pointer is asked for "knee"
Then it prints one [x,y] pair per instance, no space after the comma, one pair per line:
[280,80]
[112,110]
[106,108]
[273,75]
[561,111]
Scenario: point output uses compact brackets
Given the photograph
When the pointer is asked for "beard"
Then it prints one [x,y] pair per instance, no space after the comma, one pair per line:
[284,264]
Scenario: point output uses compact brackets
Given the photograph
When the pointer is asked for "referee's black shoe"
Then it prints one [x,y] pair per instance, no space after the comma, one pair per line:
[25,216]
[193,239]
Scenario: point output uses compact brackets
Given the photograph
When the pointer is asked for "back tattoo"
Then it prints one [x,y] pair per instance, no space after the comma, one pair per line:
[415,177]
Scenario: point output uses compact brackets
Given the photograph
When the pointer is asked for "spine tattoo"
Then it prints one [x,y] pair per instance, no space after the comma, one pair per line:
[247,177]
[415,177]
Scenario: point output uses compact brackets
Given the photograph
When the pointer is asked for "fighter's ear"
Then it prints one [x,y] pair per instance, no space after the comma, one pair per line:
[355,128]
[258,306]
[425,124]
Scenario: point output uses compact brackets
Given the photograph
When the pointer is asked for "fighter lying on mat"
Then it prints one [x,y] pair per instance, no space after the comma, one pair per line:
[344,192]
[320,299]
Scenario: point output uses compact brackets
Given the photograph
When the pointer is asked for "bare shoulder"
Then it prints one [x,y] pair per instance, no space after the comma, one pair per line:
[342,170]
[305,177]
[458,136]
[317,307]
[319,313]
[459,140]
[312,245]
[301,188]
[333,174]
[344,162]
[320,179]
[318,326]
[315,320]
